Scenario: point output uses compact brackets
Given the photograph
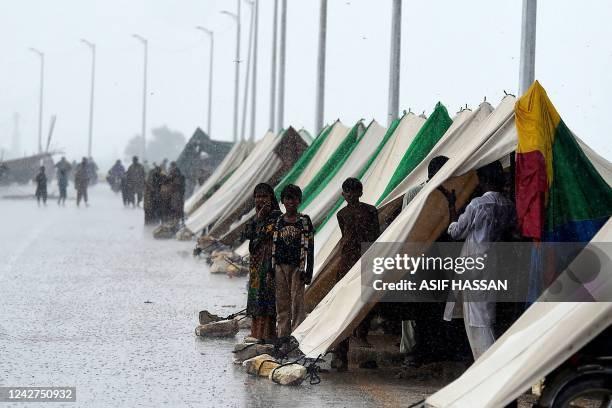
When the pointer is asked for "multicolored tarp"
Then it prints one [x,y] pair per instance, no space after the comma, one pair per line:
[431,132]
[560,197]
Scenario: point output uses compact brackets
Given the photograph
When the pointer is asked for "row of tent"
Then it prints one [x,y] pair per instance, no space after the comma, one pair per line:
[391,161]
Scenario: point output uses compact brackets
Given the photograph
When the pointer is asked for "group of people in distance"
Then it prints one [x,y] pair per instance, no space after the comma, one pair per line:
[82,179]
[160,189]
[281,258]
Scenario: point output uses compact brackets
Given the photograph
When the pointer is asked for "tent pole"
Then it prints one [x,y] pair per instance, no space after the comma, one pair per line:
[528,44]
[394,70]
[320,101]
[281,66]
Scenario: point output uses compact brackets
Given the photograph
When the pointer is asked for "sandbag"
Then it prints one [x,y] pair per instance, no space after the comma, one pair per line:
[223,328]
[261,365]
[292,374]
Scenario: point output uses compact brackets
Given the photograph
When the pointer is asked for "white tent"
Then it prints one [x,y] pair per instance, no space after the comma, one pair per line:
[260,163]
[230,162]
[336,315]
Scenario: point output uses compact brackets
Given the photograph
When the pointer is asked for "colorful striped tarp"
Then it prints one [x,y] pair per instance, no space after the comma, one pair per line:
[560,197]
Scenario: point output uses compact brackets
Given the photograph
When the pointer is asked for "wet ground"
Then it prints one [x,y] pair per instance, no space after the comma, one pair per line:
[89,299]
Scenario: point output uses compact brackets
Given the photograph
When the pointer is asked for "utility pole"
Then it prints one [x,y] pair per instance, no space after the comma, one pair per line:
[247,74]
[92,47]
[40,98]
[320,101]
[211,35]
[254,89]
[273,70]
[145,43]
[394,63]
[528,45]
[281,66]
[236,17]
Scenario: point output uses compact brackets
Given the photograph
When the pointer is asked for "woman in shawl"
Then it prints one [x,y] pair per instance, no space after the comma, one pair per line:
[261,302]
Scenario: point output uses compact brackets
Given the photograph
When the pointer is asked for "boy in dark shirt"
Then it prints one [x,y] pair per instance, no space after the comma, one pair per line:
[292,258]
[359,225]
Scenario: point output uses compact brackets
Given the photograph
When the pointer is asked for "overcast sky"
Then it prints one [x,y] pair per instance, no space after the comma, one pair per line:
[456,52]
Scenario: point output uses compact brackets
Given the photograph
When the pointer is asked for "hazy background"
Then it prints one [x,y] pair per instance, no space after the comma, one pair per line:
[456,52]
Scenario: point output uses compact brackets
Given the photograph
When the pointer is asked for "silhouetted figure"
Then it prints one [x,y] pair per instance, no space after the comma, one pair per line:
[173,195]
[114,176]
[62,183]
[81,181]
[135,182]
[41,186]
[152,196]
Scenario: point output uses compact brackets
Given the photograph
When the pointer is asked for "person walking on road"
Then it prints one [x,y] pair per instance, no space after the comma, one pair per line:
[135,177]
[41,186]
[62,183]
[81,181]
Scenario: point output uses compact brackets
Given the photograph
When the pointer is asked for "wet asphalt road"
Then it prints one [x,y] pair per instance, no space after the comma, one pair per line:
[89,299]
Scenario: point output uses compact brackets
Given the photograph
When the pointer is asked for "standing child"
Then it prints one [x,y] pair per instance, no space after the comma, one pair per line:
[359,225]
[261,304]
[292,258]
[41,186]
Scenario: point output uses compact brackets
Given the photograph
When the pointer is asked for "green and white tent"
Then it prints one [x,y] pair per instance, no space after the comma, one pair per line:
[324,154]
[342,308]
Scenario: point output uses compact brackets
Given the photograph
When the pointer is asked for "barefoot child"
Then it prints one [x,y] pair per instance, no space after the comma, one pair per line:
[292,258]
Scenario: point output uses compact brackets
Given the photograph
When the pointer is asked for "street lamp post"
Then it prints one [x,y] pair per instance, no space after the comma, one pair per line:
[254,89]
[247,73]
[92,47]
[528,44]
[40,99]
[320,101]
[145,44]
[394,63]
[211,36]
[273,70]
[281,65]
[236,17]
